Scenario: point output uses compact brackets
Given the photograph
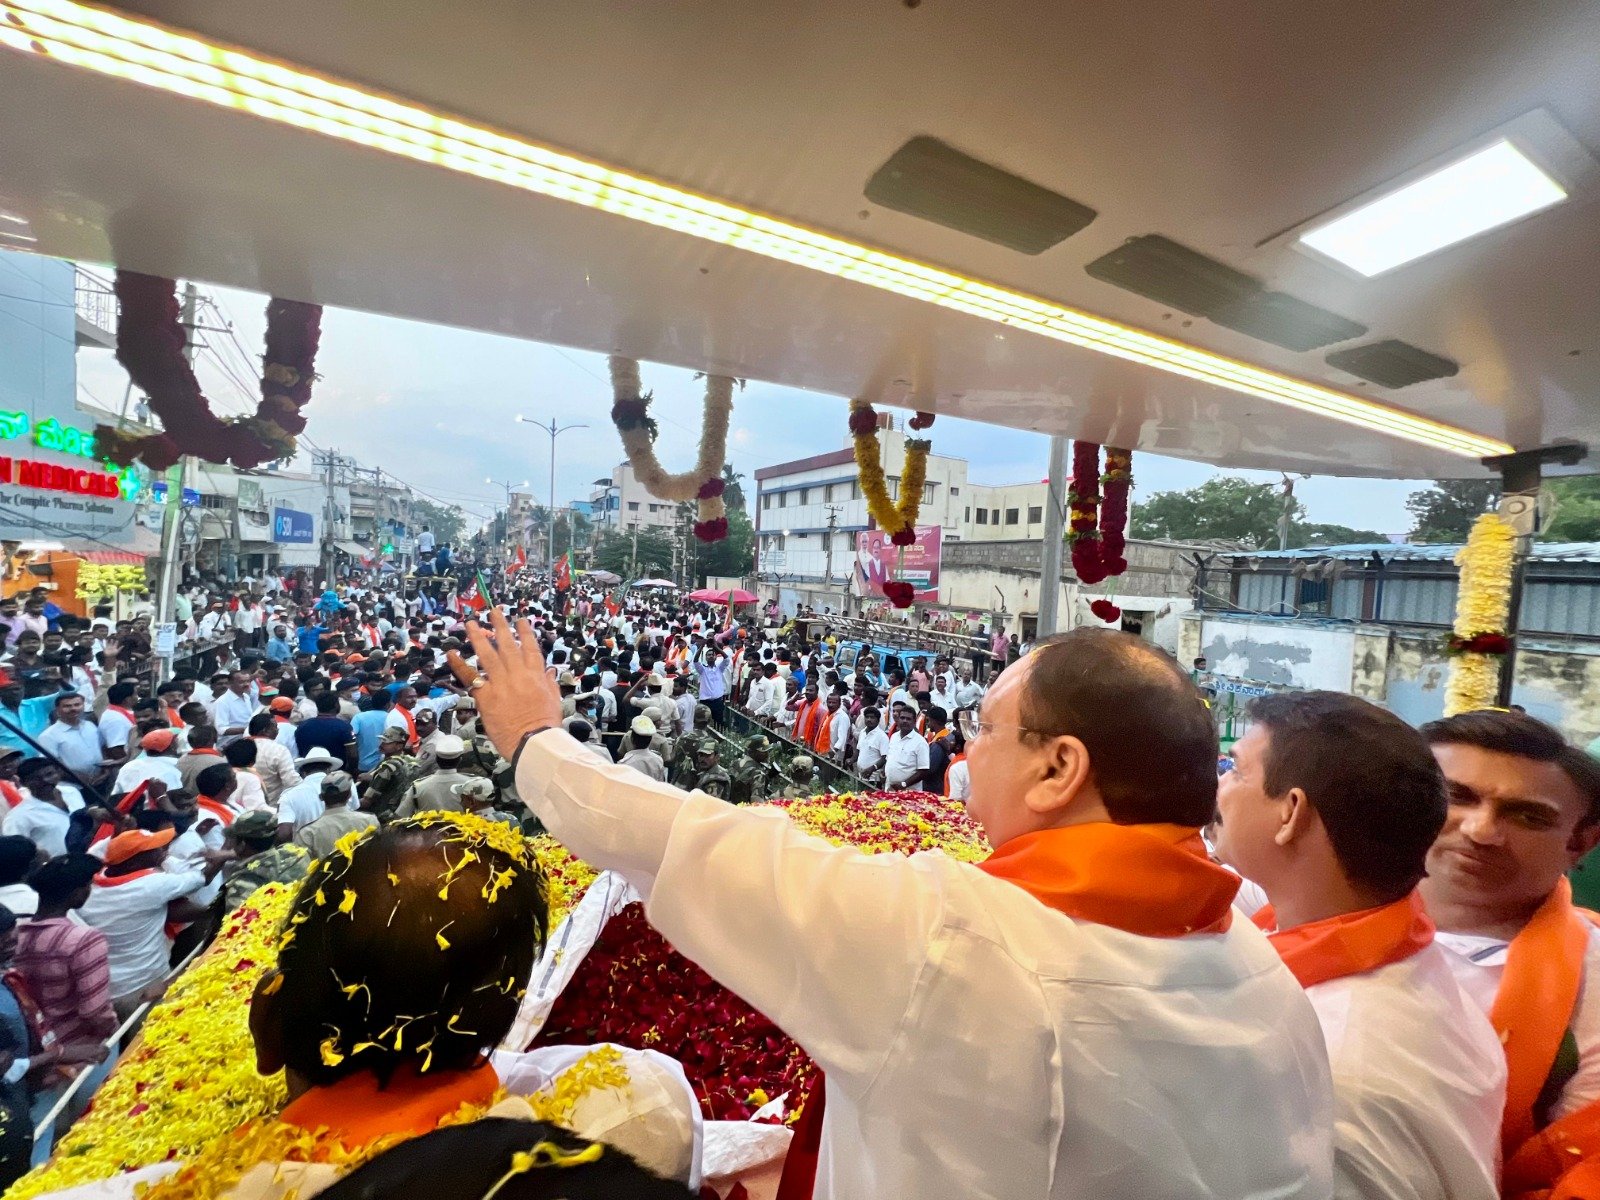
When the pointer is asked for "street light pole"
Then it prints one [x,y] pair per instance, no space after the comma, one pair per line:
[554,430]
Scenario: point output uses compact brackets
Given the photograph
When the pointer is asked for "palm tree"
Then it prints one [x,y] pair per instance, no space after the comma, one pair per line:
[732,488]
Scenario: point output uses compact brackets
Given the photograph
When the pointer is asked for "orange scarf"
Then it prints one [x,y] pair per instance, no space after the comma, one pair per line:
[357,1109]
[1351,943]
[217,809]
[822,742]
[954,759]
[1150,880]
[411,726]
[1534,1006]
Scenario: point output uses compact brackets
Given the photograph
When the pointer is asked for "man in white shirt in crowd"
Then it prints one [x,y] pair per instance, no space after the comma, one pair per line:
[45,813]
[214,623]
[116,724]
[233,709]
[968,691]
[74,739]
[341,814]
[158,760]
[906,762]
[1331,806]
[132,900]
[1151,1046]
[1525,810]
[302,804]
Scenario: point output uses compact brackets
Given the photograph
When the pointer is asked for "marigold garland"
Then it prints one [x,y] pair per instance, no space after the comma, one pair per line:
[1483,607]
[150,346]
[191,1076]
[896,518]
[630,413]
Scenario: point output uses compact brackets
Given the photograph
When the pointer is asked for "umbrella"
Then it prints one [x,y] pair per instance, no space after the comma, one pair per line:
[733,595]
[601,576]
[654,583]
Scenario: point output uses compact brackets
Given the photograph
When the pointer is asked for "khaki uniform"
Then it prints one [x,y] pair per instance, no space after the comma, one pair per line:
[433,793]
[798,789]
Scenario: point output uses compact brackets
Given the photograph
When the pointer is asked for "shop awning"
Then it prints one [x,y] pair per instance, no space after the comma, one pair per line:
[353,549]
[141,545]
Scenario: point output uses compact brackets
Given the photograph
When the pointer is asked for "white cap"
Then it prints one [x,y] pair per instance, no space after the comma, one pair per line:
[449,746]
[643,726]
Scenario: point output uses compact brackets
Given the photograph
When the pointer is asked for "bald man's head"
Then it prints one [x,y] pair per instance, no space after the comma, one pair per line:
[1149,735]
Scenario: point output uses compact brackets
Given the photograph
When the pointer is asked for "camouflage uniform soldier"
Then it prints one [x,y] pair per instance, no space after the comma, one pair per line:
[753,778]
[801,780]
[262,859]
[390,780]
[682,765]
[710,778]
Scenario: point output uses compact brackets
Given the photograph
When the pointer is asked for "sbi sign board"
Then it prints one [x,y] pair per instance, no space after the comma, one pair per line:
[290,526]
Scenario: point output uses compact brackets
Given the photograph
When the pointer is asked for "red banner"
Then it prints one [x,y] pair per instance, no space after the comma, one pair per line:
[879,560]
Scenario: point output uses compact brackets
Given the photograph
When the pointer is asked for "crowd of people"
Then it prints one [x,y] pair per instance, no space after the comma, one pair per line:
[1349,967]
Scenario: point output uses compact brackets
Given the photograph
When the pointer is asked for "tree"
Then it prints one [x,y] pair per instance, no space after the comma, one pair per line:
[446,523]
[1572,510]
[733,488]
[616,547]
[1319,534]
[1226,508]
[581,529]
[733,555]
[1445,512]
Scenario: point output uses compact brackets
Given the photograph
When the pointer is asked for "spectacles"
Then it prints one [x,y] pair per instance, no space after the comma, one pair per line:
[973,727]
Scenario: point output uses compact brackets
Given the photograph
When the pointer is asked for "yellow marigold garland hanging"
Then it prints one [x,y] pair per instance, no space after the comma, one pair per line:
[897,519]
[1483,606]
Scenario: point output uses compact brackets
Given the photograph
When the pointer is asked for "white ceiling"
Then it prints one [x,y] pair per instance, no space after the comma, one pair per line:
[1219,126]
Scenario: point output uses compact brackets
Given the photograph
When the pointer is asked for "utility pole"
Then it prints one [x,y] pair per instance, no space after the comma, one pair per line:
[633,554]
[554,430]
[172,515]
[833,523]
[1055,512]
[327,461]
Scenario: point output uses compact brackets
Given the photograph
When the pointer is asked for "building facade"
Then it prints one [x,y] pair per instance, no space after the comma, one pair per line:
[1005,512]
[621,503]
[808,511]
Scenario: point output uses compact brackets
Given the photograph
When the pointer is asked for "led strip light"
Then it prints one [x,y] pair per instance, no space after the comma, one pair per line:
[125,48]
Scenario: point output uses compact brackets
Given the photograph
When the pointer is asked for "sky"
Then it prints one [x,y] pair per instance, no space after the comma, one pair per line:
[436,407]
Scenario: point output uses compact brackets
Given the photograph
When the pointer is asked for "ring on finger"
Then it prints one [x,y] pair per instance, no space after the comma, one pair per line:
[477,683]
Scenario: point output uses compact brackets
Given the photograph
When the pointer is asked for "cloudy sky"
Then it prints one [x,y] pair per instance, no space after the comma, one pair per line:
[437,407]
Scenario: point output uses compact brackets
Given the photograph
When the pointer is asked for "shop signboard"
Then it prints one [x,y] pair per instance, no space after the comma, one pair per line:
[291,527]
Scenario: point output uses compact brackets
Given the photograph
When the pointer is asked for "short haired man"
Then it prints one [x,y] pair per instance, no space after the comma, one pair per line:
[259,858]
[1150,1045]
[906,763]
[64,961]
[1331,807]
[131,901]
[45,814]
[73,739]
[341,815]
[1524,809]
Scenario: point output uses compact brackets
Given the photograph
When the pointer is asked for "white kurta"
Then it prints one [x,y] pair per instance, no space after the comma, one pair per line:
[1479,963]
[977,1043]
[1419,1082]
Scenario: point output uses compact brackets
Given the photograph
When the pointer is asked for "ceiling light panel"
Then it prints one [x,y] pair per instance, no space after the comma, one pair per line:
[122,47]
[1485,190]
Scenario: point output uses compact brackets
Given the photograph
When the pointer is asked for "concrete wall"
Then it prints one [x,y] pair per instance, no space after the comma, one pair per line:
[1287,652]
[1404,670]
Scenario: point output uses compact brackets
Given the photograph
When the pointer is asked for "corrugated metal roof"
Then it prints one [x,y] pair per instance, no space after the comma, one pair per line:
[1583,552]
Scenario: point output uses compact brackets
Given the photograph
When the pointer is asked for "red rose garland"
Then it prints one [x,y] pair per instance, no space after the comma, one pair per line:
[150,346]
[1097,522]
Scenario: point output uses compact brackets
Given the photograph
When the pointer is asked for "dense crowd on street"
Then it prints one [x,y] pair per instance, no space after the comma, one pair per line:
[1411,883]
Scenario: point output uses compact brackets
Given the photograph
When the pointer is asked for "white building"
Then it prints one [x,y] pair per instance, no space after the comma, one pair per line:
[810,508]
[1006,512]
[622,501]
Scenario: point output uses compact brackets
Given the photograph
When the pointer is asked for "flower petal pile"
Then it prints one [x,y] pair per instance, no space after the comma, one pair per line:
[191,1075]
[566,878]
[633,988]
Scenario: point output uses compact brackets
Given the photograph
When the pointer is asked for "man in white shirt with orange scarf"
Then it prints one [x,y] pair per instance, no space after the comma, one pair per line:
[1331,806]
[1079,1016]
[1524,810]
